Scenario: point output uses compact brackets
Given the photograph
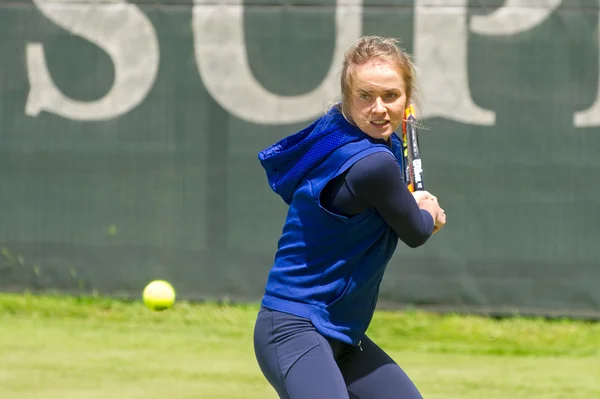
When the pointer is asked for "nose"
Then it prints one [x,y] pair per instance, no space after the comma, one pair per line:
[378,107]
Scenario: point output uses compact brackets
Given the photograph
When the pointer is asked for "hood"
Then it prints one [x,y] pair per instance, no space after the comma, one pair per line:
[289,160]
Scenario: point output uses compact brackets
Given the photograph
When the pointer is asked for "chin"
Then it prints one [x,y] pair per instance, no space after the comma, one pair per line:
[384,135]
[377,135]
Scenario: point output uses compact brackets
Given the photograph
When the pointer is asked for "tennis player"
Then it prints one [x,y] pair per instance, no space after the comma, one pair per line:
[342,177]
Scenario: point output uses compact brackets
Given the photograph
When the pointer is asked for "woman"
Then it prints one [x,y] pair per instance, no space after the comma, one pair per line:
[342,178]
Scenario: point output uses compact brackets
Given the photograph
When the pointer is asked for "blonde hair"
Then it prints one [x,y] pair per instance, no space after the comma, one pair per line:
[377,48]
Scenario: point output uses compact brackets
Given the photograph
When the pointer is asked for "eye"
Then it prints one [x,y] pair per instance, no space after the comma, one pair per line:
[364,95]
[392,95]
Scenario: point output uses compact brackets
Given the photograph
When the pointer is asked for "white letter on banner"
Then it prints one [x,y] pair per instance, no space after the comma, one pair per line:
[590,116]
[118,28]
[440,47]
[224,68]
[515,16]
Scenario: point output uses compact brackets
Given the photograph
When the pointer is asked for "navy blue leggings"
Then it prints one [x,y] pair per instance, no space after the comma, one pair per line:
[300,363]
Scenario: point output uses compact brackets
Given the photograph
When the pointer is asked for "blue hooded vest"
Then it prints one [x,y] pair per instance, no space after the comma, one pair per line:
[328,267]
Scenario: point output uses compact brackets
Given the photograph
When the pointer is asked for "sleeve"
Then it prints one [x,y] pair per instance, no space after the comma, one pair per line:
[377,181]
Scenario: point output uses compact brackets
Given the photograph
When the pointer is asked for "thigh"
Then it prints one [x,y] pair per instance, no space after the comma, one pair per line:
[315,375]
[371,373]
[295,359]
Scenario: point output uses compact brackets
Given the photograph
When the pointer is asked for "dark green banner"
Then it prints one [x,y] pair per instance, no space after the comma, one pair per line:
[129,134]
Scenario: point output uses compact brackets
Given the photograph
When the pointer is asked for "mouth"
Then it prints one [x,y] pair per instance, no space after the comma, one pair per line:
[379,124]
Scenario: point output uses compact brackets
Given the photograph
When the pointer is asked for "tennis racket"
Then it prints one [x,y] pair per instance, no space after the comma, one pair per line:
[412,154]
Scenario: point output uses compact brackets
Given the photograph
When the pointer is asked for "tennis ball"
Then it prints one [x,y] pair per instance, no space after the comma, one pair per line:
[159,295]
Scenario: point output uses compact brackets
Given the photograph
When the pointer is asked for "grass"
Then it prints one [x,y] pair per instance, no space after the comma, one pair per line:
[64,347]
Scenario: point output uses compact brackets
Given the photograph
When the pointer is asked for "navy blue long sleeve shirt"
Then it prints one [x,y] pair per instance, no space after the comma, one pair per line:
[376,181]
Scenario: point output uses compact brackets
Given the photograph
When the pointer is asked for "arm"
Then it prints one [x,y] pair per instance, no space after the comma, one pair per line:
[376,181]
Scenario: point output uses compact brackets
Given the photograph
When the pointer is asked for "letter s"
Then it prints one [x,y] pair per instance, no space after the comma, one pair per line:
[130,42]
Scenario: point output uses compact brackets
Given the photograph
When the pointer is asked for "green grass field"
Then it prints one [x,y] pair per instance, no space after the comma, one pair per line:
[68,348]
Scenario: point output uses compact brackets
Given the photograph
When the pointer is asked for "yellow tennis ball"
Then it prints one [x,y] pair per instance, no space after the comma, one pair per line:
[159,295]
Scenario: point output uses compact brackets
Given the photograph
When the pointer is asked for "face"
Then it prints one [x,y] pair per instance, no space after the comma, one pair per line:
[378,99]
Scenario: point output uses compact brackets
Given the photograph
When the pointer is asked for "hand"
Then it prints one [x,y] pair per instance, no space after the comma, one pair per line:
[423,195]
[429,202]
[440,221]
